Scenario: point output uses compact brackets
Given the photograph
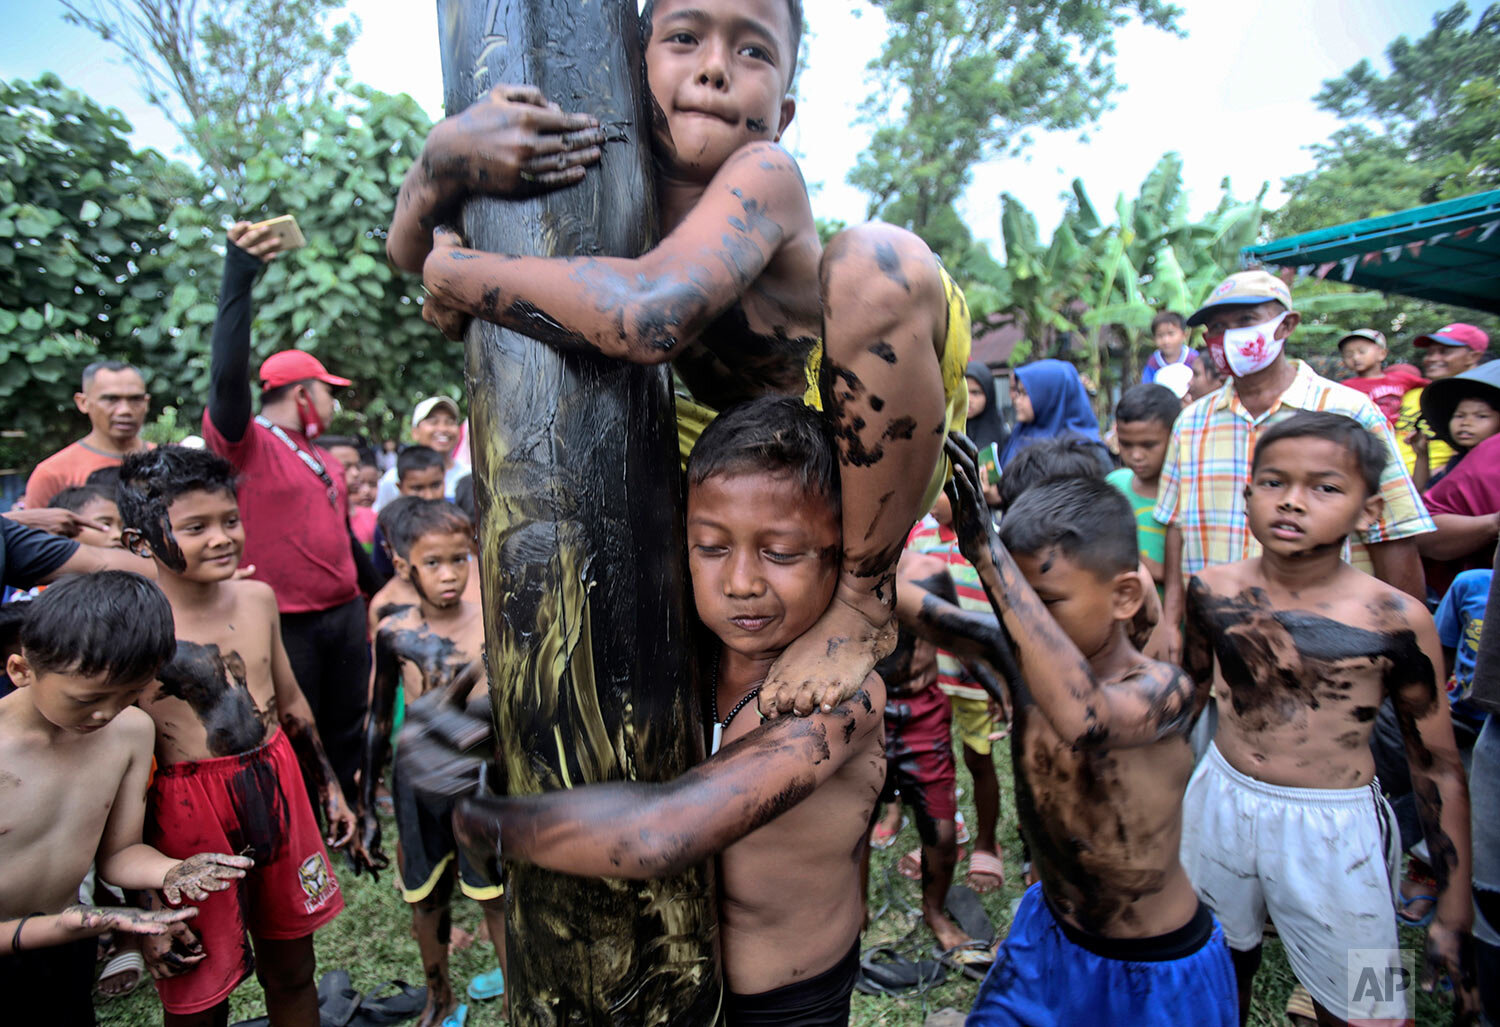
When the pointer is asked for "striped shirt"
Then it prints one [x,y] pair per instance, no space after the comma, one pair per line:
[1208,466]
[933,539]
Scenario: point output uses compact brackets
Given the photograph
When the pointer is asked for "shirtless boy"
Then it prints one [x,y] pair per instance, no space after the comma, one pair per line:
[1112,933]
[234,738]
[76,756]
[418,649]
[1284,815]
[739,293]
[785,804]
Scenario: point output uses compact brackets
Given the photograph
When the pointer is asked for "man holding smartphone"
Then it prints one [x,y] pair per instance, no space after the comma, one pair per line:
[294,502]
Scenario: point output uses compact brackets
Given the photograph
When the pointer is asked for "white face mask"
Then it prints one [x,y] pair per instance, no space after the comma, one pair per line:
[1244,351]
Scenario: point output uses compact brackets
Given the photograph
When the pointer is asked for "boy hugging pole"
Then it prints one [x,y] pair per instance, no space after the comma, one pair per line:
[582,551]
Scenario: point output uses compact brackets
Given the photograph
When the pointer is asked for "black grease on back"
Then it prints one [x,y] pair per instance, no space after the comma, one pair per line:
[213,685]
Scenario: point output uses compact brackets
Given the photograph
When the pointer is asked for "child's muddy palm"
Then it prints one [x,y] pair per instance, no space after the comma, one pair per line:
[971,514]
[365,851]
[338,818]
[830,661]
[173,952]
[128,919]
[195,877]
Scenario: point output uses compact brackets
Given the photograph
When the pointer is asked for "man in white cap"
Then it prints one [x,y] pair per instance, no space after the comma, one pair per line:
[1248,319]
[434,424]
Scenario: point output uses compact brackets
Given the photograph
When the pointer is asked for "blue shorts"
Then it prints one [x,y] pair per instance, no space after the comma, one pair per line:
[1048,972]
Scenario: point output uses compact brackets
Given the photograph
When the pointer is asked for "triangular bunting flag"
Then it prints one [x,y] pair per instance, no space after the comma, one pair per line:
[1487,230]
[1415,247]
[1464,233]
[1392,253]
[1373,257]
[1323,269]
[1348,265]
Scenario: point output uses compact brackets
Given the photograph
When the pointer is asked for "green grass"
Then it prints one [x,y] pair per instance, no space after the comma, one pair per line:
[372,940]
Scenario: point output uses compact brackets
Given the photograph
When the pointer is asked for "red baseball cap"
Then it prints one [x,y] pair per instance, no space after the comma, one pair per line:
[1455,335]
[294,365]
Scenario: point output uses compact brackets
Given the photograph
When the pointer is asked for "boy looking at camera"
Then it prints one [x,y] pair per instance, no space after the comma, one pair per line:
[79,755]
[235,738]
[421,648]
[739,294]
[1284,815]
[1143,427]
[788,799]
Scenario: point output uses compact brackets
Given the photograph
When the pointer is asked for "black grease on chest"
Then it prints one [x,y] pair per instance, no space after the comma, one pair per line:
[213,684]
[1278,662]
[437,658]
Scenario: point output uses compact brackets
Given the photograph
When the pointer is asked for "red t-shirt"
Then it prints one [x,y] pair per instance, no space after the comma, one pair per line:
[1386,391]
[297,540]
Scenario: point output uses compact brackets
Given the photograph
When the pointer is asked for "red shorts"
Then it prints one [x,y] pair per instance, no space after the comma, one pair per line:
[919,758]
[252,804]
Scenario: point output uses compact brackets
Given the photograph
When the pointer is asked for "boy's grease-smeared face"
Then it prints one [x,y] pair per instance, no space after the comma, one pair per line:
[1306,496]
[438,567]
[426,483]
[1084,604]
[201,540]
[719,71]
[763,555]
[1143,447]
[74,702]
[1473,421]
[105,512]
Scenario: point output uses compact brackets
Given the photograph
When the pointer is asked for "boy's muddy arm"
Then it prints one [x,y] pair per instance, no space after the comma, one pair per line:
[1148,706]
[927,603]
[385,679]
[296,718]
[510,143]
[1166,640]
[642,310]
[77,922]
[1442,794]
[638,831]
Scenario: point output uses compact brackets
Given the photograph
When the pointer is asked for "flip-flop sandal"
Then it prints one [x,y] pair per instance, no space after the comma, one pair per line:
[968,913]
[122,963]
[381,1010]
[884,971]
[962,829]
[910,865]
[972,959]
[1299,1007]
[881,839]
[1404,920]
[457,1017]
[488,985]
[985,864]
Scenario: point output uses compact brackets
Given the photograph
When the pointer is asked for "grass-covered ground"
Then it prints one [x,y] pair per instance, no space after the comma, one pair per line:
[372,941]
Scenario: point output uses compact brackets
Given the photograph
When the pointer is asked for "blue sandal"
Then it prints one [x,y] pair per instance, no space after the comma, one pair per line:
[457,1017]
[1406,921]
[488,985]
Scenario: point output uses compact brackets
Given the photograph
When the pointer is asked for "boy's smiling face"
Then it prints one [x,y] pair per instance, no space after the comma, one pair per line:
[1307,495]
[719,71]
[763,554]
[209,534]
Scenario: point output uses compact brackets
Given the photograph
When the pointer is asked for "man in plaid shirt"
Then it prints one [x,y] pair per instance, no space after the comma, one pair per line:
[1249,317]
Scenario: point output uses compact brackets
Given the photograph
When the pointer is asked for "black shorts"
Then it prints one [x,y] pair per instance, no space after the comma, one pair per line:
[821,1001]
[53,985]
[425,827]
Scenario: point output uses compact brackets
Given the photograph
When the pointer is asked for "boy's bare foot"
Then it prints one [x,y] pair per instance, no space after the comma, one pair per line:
[829,663]
[459,939]
[946,931]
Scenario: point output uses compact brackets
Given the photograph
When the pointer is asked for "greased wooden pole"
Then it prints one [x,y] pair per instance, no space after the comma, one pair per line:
[582,558]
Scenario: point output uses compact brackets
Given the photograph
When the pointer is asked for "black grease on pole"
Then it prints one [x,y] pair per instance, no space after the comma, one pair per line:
[582,549]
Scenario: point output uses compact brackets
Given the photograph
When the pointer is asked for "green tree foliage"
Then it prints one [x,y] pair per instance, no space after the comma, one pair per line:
[223,71]
[109,252]
[962,81]
[1426,130]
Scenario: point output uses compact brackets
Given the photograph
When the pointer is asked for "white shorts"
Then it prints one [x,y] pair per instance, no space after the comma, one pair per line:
[1322,861]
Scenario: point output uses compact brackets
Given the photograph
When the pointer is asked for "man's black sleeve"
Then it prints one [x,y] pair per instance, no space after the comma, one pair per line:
[229,365]
[28,555]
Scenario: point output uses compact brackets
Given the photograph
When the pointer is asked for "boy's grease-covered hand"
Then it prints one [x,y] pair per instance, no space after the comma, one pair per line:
[365,852]
[1449,953]
[971,514]
[439,264]
[260,243]
[337,816]
[444,744]
[512,142]
[173,952]
[129,919]
[195,877]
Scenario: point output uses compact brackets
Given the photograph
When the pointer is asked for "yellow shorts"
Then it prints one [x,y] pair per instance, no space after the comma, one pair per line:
[693,417]
[972,720]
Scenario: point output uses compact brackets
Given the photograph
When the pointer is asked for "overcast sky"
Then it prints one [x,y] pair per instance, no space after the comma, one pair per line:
[1233,96]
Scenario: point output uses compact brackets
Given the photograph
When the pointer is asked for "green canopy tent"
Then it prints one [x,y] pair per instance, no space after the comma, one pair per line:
[1446,252]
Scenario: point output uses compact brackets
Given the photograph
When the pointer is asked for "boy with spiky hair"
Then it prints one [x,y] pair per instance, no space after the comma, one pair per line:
[1284,817]
[78,756]
[739,294]
[235,737]
[784,801]
[421,648]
